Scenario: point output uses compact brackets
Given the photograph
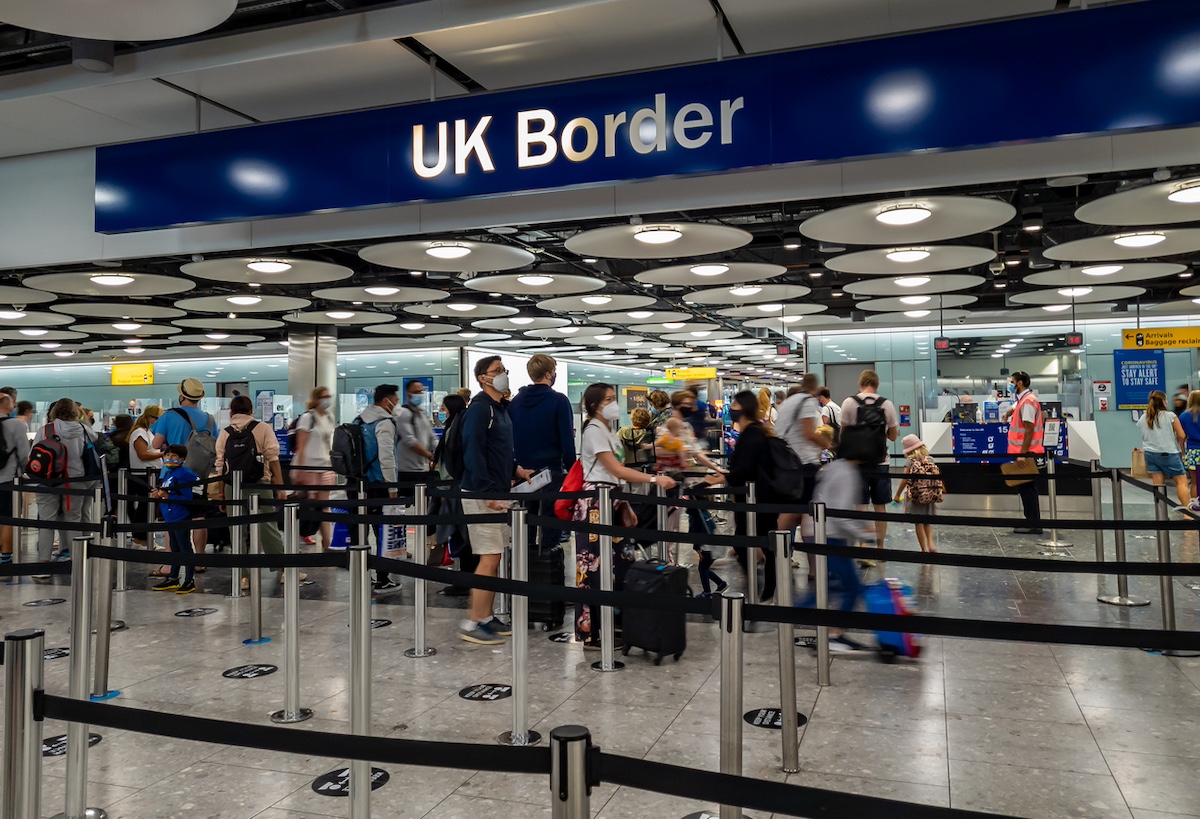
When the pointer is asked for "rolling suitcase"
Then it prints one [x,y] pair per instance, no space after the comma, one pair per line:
[657,632]
[890,596]
[547,567]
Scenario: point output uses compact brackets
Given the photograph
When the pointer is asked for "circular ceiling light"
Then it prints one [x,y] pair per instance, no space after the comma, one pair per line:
[790,319]
[1188,194]
[462,306]
[111,279]
[217,336]
[521,320]
[243,301]
[770,308]
[1056,308]
[1074,292]
[210,347]
[701,333]
[657,234]
[1008,346]
[606,337]
[269,266]
[412,325]
[382,290]
[447,250]
[135,350]
[126,326]
[640,314]
[749,290]
[915,299]
[912,281]
[596,301]
[904,215]
[916,313]
[1103,269]
[997,355]
[64,353]
[468,334]
[536,280]
[711,269]
[340,315]
[566,331]
[11,315]
[908,256]
[674,325]
[1139,239]
[49,345]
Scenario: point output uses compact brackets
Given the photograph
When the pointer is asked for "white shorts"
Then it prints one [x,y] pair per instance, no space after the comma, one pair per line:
[486,538]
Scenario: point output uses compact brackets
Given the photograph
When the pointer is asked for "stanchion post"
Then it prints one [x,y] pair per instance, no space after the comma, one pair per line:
[662,517]
[1098,509]
[22,771]
[1121,598]
[420,554]
[235,511]
[1052,545]
[255,574]
[607,626]
[81,649]
[363,528]
[1166,583]
[360,676]
[731,691]
[503,605]
[292,712]
[782,543]
[122,538]
[520,734]
[822,580]
[19,513]
[570,788]
[103,619]
[751,552]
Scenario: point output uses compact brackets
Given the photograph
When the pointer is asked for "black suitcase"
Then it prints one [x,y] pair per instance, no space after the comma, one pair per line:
[547,567]
[658,632]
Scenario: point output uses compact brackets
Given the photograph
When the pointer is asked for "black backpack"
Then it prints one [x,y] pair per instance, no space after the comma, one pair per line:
[348,455]
[242,455]
[47,458]
[866,439]
[449,453]
[783,472]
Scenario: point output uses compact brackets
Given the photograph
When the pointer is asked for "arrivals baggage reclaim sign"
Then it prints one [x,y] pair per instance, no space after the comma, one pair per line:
[936,90]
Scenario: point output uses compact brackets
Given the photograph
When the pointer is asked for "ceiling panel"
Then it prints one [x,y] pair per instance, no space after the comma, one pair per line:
[366,75]
[582,41]
[151,106]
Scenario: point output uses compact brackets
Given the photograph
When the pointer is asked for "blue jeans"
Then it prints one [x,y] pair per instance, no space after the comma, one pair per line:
[181,543]
[843,574]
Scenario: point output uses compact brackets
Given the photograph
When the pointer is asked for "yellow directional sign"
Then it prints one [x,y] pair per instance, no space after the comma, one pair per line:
[1160,338]
[691,373]
[132,375]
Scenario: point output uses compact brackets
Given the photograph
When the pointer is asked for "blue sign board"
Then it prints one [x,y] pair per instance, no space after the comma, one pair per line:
[1137,373]
[931,91]
[980,440]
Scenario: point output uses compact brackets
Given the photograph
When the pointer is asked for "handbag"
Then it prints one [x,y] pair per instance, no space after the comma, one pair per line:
[563,507]
[1138,469]
[1014,468]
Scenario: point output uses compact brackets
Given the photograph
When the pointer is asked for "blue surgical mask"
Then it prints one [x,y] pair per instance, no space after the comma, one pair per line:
[417,400]
[441,417]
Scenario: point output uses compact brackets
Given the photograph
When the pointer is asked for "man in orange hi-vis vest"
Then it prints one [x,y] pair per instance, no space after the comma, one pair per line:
[1026,431]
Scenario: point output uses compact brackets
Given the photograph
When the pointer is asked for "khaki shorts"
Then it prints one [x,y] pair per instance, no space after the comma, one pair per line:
[486,538]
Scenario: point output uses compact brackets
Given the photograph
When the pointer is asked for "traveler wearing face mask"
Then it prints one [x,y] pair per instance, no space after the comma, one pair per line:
[379,424]
[415,440]
[314,439]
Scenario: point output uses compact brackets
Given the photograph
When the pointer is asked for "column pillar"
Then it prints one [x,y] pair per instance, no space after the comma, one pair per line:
[312,360]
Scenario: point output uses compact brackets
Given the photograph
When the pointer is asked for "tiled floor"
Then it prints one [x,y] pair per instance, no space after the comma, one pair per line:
[1031,730]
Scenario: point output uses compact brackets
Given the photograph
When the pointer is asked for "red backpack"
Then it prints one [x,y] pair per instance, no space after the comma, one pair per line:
[47,458]
[564,507]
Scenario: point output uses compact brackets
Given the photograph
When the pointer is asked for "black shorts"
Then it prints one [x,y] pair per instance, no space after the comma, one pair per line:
[877,486]
[810,483]
[6,507]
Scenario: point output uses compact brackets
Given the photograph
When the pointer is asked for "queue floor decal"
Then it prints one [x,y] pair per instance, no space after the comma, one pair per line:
[195,612]
[47,601]
[562,637]
[486,692]
[56,653]
[250,672]
[115,626]
[57,745]
[380,623]
[770,718]
[337,783]
[706,815]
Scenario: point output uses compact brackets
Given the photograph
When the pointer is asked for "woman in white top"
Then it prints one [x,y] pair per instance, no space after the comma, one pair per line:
[143,456]
[314,440]
[1163,439]
[598,457]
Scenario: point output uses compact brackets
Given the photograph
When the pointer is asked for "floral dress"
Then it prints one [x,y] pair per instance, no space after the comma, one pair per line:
[587,566]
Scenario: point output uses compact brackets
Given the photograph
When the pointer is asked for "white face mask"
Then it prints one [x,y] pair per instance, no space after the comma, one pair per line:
[325,403]
[500,382]
[611,412]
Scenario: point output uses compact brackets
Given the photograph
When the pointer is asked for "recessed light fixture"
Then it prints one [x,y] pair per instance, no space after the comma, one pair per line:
[11,315]
[749,290]
[447,250]
[1008,346]
[382,290]
[566,331]
[605,337]
[49,345]
[132,341]
[253,284]
[412,325]
[915,299]
[64,353]
[997,355]
[243,301]
[217,336]
[1140,239]
[589,260]
[1012,261]
[916,313]
[674,325]
[1016,340]
[596,301]
[462,306]
[1186,194]
[770,308]
[111,279]
[536,280]
[468,334]
[903,215]
[701,333]
[640,314]
[126,326]
[710,269]
[210,346]
[911,281]
[340,315]
[1103,269]
[1056,308]
[1074,292]
[521,320]
[135,350]
[908,255]
[416,273]
[269,266]
[657,234]
[790,319]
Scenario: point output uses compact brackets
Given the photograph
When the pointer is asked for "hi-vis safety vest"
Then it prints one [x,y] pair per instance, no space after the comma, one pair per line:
[1016,429]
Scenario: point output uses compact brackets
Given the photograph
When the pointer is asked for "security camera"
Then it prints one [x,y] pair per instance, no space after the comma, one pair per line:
[197,257]
[996,267]
[962,319]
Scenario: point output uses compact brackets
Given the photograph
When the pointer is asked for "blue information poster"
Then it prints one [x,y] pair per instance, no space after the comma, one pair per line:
[981,440]
[1137,374]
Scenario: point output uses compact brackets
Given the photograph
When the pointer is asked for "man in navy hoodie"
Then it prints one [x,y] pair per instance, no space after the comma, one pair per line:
[543,435]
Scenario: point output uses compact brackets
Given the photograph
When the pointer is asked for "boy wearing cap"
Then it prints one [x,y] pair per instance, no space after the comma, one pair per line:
[172,428]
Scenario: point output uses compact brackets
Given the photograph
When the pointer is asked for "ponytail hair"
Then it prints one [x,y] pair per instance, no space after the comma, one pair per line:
[1156,404]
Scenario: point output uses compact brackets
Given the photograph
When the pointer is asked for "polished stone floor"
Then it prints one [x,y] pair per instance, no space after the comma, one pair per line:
[1023,729]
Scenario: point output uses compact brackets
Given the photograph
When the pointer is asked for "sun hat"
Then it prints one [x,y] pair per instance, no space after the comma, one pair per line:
[191,389]
[911,442]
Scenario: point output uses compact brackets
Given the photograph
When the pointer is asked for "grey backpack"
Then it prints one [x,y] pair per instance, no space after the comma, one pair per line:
[201,446]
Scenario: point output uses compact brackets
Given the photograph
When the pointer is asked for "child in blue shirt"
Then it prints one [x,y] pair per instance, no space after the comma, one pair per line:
[175,489]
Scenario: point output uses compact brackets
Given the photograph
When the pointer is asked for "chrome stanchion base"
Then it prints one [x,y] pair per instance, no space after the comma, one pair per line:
[1118,600]
[286,717]
[530,738]
[111,695]
[88,813]
[1052,547]
[599,666]
[1179,652]
[412,652]
[248,642]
